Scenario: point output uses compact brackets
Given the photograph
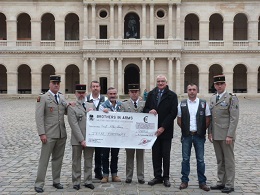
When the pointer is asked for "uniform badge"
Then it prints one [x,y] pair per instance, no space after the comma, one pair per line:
[39,99]
[183,104]
[51,109]
[202,104]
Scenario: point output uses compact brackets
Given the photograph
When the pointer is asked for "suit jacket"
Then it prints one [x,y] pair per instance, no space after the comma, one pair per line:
[77,120]
[167,110]
[128,106]
[225,115]
[49,116]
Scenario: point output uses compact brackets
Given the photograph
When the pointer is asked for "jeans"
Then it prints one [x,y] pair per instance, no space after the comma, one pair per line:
[113,163]
[198,143]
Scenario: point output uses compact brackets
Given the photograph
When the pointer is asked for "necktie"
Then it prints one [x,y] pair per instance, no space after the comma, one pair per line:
[159,97]
[56,98]
[135,104]
[83,104]
[217,99]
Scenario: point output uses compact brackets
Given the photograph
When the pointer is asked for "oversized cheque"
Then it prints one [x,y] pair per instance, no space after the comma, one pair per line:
[121,129]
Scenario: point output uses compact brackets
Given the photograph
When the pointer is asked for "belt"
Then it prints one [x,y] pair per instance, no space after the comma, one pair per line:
[193,132]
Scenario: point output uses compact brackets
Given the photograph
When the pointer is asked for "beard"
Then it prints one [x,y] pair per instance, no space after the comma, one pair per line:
[81,100]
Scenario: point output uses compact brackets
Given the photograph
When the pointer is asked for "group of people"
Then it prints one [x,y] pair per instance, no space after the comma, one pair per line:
[194,116]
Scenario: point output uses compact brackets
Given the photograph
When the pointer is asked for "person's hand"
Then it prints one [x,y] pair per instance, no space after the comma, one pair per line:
[153,111]
[210,137]
[83,143]
[90,109]
[105,110]
[43,138]
[159,131]
[229,140]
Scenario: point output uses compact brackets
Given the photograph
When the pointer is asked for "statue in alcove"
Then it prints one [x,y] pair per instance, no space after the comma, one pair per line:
[132,30]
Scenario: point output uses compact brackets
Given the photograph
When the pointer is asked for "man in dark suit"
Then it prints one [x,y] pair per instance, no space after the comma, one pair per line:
[49,116]
[163,102]
[134,105]
[222,132]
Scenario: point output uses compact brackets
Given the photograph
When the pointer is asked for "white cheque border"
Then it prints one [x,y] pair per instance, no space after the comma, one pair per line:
[121,129]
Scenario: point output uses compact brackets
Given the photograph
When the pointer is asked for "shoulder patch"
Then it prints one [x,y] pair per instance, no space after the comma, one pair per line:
[38,98]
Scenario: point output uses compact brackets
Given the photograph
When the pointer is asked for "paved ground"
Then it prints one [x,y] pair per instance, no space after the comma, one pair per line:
[20,149]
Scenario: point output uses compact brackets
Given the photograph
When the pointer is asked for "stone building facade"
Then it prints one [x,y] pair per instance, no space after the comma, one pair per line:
[118,42]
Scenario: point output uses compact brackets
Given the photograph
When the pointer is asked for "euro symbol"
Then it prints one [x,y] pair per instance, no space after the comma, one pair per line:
[146,119]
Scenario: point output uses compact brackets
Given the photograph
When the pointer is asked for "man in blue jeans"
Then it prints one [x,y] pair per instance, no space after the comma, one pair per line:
[193,119]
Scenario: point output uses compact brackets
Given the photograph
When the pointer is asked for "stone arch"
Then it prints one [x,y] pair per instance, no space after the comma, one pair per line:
[240,79]
[23,27]
[132,26]
[191,31]
[47,70]
[3,79]
[214,70]
[191,75]
[71,78]
[240,27]
[48,27]
[216,27]
[71,27]
[24,79]
[3,31]
[131,76]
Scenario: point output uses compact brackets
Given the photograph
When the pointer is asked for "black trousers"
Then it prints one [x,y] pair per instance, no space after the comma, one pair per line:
[98,161]
[161,158]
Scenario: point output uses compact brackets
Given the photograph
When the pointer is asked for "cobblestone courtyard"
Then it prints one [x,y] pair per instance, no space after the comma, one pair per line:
[20,150]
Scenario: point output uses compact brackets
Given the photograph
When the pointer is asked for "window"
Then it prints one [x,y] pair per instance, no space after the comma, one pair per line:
[103,85]
[103,32]
[160,32]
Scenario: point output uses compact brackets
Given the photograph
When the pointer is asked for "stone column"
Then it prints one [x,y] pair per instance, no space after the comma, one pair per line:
[11,28]
[36,32]
[229,81]
[59,37]
[252,82]
[204,33]
[36,82]
[84,78]
[228,33]
[62,83]
[151,21]
[93,20]
[170,21]
[12,82]
[85,30]
[178,21]
[143,79]
[112,72]
[253,34]
[152,73]
[178,75]
[203,82]
[170,73]
[119,21]
[143,21]
[120,76]
[93,68]
[112,21]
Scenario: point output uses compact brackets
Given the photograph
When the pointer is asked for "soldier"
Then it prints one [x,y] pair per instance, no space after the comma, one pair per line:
[134,105]
[222,132]
[49,116]
[97,99]
[77,120]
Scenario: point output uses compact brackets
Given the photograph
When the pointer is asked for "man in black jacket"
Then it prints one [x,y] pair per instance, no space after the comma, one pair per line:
[163,102]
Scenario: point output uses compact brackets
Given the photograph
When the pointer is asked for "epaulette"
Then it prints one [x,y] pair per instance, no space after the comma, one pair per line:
[232,94]
[59,93]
